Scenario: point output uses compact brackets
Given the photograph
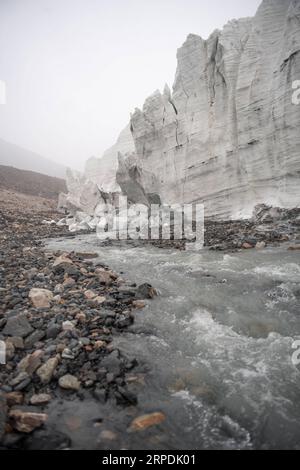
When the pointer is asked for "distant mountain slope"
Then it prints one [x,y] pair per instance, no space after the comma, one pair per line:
[29,182]
[12,155]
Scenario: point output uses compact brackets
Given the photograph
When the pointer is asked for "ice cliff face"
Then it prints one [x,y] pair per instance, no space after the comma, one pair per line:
[228,134]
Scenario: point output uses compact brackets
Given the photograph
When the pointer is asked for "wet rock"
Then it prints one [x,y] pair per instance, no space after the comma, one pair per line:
[105,277]
[145,291]
[46,371]
[24,421]
[14,398]
[138,304]
[107,435]
[294,248]
[125,397]
[69,382]
[43,439]
[87,255]
[40,298]
[100,394]
[112,362]
[40,399]
[124,321]
[260,245]
[90,295]
[145,421]
[247,246]
[17,326]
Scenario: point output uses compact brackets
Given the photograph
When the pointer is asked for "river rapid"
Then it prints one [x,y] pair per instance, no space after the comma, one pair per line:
[215,348]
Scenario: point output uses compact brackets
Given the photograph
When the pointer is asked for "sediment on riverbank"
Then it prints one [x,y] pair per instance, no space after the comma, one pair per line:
[58,316]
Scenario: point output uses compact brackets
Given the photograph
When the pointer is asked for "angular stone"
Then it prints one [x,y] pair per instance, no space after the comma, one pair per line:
[14,398]
[34,338]
[46,371]
[145,291]
[145,421]
[40,298]
[31,362]
[18,326]
[17,342]
[68,325]
[24,421]
[139,304]
[41,399]
[69,382]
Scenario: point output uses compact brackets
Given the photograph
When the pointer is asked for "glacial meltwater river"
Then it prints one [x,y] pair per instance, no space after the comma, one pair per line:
[217,344]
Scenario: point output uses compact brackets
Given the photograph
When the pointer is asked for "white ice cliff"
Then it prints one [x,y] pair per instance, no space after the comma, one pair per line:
[228,134]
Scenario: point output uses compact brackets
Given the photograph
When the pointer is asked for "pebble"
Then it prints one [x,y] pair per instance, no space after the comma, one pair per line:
[14,398]
[27,422]
[138,304]
[17,326]
[89,294]
[40,399]
[40,298]
[46,371]
[31,362]
[69,382]
[145,421]
[67,354]
[68,325]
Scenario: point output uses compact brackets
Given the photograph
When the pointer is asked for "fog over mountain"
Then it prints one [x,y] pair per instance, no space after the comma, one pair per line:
[12,155]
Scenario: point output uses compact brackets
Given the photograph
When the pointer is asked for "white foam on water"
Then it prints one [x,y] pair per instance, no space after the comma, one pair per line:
[258,371]
[287,271]
[211,426]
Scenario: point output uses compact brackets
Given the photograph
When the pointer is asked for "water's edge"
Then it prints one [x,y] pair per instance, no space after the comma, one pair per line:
[217,344]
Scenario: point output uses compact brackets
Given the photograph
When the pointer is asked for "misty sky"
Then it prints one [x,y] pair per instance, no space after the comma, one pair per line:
[75,69]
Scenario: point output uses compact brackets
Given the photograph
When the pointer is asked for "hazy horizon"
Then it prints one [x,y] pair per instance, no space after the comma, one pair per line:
[75,69]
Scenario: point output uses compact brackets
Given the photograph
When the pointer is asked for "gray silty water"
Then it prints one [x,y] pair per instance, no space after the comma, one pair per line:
[217,342]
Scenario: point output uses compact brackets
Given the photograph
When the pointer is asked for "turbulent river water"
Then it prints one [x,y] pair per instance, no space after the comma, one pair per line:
[217,345]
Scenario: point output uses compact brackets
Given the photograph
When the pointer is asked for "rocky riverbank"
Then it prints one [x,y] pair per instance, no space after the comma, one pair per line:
[59,314]
[269,226]
[61,311]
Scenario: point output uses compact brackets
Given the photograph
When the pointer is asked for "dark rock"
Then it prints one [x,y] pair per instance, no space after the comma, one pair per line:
[100,394]
[18,326]
[123,321]
[47,440]
[53,330]
[125,397]
[112,363]
[34,338]
[145,291]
